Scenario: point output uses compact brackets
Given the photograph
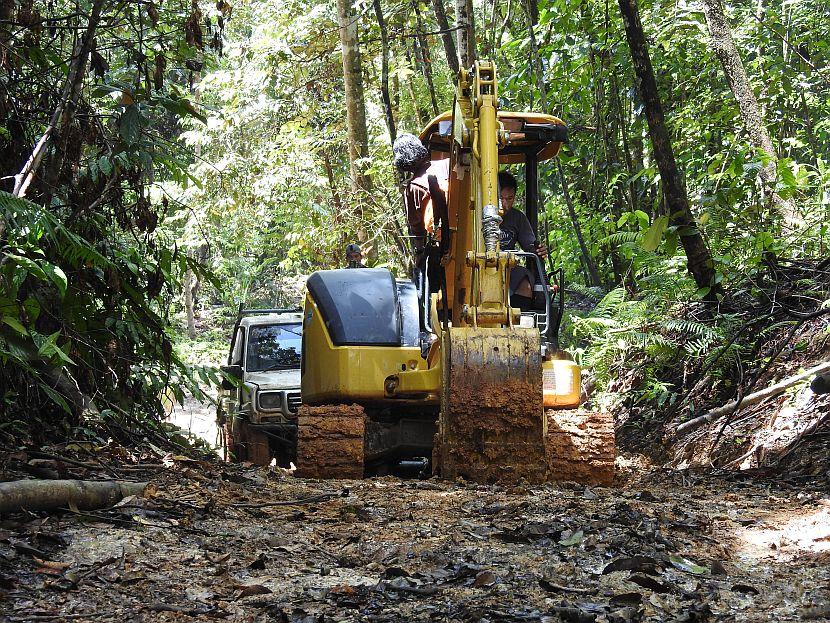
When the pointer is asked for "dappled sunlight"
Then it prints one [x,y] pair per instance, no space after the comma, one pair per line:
[787,534]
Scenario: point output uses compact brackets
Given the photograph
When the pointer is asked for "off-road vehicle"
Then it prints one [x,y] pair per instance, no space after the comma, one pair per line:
[260,390]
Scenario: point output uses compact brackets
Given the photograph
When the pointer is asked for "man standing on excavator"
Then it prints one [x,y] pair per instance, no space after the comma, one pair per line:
[425,197]
[423,178]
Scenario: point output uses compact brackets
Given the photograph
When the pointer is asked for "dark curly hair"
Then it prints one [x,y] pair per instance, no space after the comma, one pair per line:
[409,152]
[507,180]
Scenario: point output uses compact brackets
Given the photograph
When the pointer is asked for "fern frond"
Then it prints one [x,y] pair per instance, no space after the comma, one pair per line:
[609,304]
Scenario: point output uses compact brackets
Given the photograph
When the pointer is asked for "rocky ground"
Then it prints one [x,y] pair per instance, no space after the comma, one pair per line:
[209,541]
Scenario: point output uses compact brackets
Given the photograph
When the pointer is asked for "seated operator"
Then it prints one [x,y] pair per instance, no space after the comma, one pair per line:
[515,228]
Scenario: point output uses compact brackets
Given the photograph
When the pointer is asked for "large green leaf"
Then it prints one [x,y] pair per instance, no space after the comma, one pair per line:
[129,124]
[654,234]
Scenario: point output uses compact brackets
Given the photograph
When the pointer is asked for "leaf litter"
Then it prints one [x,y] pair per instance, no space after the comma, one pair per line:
[215,542]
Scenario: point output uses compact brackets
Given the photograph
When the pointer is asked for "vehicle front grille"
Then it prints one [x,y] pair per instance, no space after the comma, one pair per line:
[294,402]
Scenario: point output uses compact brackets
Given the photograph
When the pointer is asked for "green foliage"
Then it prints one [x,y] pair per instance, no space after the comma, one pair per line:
[86,278]
[208,145]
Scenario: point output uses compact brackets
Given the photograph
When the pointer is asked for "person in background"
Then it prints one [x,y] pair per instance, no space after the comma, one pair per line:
[516,230]
[354,256]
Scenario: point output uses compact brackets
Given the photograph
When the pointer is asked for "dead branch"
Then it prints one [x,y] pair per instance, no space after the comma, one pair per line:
[67,103]
[751,399]
[138,467]
[36,495]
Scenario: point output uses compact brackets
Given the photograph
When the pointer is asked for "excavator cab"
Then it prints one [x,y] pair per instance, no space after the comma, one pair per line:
[529,139]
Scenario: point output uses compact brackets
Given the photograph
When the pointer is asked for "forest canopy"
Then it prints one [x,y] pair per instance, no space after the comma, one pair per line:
[160,160]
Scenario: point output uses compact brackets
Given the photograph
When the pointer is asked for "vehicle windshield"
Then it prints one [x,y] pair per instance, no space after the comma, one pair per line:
[274,347]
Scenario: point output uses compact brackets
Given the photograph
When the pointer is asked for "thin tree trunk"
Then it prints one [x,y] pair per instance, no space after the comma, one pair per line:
[419,112]
[6,14]
[335,195]
[446,36]
[355,105]
[598,68]
[754,398]
[466,32]
[622,124]
[532,11]
[426,60]
[699,259]
[507,15]
[587,260]
[808,126]
[760,51]
[189,284]
[724,48]
[67,104]
[384,72]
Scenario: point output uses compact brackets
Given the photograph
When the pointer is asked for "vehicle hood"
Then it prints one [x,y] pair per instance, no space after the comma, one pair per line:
[275,379]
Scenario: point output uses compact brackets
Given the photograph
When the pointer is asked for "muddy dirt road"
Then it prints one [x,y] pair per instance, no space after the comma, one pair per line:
[212,542]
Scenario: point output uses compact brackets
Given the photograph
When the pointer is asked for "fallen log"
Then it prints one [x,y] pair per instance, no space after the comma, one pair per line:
[37,495]
[773,390]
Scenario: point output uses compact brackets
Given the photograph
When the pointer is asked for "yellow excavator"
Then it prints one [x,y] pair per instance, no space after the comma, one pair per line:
[396,369]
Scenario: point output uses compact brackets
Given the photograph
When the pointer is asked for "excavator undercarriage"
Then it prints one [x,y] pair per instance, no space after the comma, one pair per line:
[452,372]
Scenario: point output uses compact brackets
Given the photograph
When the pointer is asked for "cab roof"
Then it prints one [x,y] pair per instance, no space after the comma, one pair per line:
[267,319]
[529,134]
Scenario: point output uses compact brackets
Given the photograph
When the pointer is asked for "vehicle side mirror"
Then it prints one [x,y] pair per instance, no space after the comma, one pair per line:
[231,376]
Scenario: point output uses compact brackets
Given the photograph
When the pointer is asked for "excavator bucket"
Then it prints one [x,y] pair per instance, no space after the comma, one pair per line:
[491,426]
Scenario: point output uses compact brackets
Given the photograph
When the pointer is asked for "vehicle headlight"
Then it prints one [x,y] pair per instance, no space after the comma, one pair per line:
[270,401]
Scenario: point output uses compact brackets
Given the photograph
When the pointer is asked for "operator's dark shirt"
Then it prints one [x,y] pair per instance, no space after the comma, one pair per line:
[515,228]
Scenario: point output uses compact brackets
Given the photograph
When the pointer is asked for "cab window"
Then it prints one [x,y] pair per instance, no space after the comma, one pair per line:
[274,347]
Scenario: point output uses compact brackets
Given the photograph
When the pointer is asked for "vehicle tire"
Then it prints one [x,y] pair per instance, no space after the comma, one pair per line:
[258,447]
[246,443]
[233,447]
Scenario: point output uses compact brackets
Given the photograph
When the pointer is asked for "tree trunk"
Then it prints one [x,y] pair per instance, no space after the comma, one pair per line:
[355,105]
[39,495]
[384,72]
[335,195]
[6,14]
[724,48]
[699,259]
[590,265]
[622,124]
[189,282]
[466,32]
[768,392]
[426,60]
[416,103]
[446,36]
[598,62]
[532,11]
